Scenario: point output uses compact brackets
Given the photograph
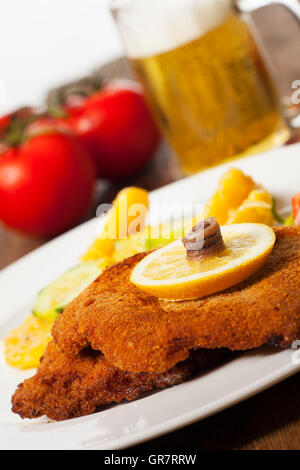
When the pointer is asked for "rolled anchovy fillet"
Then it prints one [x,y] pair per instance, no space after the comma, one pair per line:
[205,239]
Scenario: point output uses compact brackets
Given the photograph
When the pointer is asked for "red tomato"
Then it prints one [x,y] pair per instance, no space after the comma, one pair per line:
[48,125]
[296,208]
[117,129]
[46,184]
[7,120]
[4,124]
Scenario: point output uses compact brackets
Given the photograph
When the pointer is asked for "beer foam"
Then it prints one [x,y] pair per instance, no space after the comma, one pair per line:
[151,27]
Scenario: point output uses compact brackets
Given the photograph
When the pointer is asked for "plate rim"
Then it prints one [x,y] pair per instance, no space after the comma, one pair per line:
[192,416]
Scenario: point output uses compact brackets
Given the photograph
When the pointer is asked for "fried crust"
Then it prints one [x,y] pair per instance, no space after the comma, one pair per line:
[140,333]
[66,387]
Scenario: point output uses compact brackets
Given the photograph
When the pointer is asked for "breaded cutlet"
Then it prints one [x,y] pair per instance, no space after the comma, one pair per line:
[66,387]
[140,333]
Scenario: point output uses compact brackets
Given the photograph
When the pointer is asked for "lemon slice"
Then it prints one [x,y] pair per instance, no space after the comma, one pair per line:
[168,275]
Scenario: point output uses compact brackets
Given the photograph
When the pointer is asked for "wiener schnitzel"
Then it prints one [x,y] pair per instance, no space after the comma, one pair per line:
[66,387]
[140,333]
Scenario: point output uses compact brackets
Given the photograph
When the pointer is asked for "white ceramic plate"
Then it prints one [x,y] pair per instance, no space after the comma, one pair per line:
[130,423]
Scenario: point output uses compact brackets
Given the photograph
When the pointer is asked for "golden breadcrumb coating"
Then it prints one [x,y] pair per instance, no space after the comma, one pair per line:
[140,333]
[66,387]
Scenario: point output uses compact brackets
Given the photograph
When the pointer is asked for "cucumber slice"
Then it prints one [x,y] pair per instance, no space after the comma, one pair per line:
[51,300]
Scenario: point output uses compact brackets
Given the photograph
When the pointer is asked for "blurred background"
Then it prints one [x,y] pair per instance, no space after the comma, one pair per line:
[47,44]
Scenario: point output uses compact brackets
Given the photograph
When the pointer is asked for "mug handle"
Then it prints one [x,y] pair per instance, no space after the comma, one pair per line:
[247,6]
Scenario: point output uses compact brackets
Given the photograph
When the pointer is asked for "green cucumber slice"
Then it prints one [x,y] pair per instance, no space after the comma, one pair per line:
[51,300]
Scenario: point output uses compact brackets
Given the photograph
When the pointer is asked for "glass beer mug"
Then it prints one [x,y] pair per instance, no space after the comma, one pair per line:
[205,76]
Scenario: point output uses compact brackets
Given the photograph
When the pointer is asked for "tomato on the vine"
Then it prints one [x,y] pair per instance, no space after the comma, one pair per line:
[46,179]
[116,127]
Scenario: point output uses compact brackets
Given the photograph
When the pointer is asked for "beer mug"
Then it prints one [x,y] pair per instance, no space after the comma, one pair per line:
[206,78]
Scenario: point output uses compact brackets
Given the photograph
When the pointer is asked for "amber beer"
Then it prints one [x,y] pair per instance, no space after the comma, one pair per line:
[213,96]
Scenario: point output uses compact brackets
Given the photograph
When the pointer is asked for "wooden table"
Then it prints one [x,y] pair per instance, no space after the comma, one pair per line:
[270,420]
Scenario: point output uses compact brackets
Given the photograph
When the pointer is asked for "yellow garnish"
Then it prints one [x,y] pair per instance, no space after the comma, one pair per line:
[261,195]
[126,216]
[257,208]
[238,199]
[233,188]
[26,344]
[256,212]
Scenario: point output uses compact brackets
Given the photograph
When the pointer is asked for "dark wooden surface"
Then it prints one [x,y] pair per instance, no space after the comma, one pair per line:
[270,420]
